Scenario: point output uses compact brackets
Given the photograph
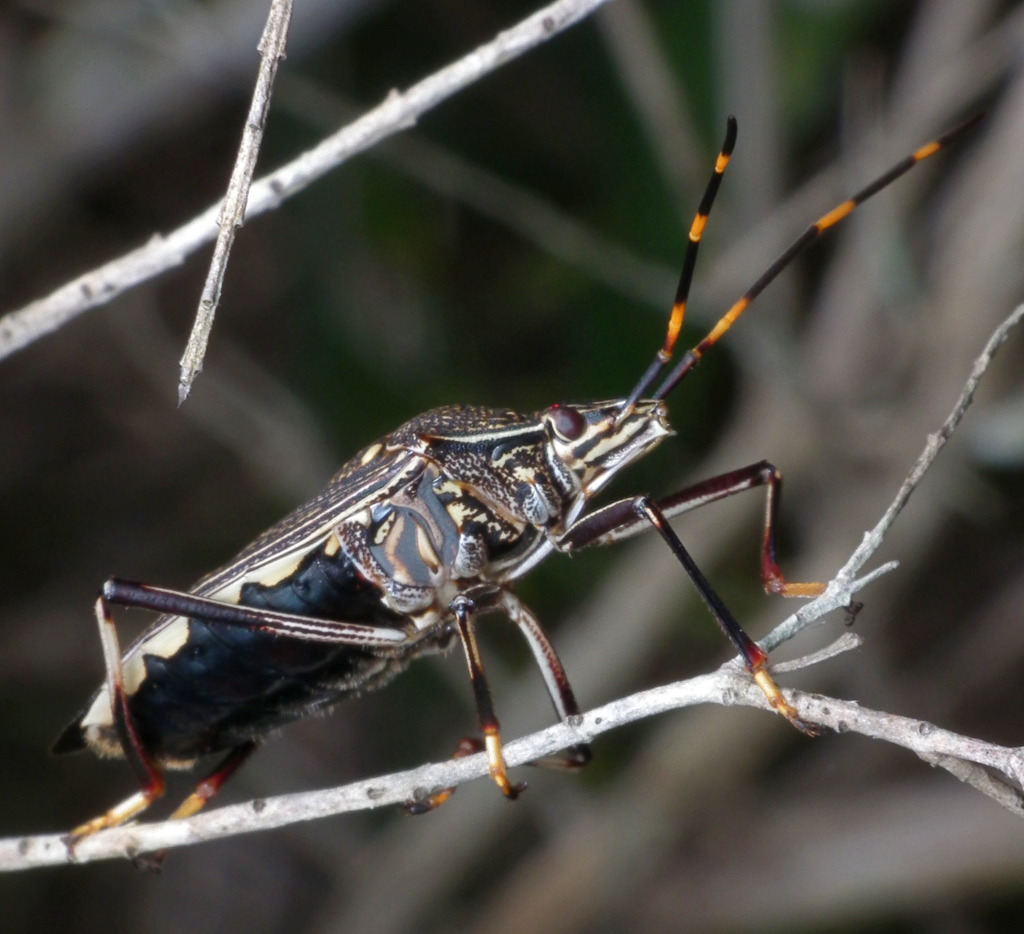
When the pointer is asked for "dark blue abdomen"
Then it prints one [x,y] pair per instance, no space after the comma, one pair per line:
[228,683]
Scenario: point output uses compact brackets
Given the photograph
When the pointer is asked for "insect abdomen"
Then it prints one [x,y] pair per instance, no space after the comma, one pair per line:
[222,685]
[228,684]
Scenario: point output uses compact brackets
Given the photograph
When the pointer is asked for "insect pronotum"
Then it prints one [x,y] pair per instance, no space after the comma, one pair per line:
[410,542]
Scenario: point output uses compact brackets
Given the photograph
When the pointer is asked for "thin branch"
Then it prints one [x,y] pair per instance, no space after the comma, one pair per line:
[836,594]
[271,47]
[996,771]
[991,786]
[399,111]
[725,686]
[847,642]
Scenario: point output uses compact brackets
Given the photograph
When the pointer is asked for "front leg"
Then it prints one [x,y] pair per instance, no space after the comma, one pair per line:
[620,520]
[641,512]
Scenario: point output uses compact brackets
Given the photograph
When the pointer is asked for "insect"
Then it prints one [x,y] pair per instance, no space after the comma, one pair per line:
[410,542]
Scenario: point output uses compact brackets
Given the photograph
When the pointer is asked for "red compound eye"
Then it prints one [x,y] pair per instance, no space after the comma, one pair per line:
[567,422]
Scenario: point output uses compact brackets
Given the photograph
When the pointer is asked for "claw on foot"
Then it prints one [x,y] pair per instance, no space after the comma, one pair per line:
[774,694]
[468,746]
[115,817]
[499,771]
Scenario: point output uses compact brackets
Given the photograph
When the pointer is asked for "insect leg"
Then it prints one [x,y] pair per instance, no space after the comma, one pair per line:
[466,607]
[195,802]
[468,746]
[647,512]
[213,782]
[309,628]
[151,781]
[173,602]
[555,678]
[620,520]
[754,657]
[465,610]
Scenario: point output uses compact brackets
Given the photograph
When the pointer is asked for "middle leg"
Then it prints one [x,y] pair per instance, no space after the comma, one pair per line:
[465,607]
[465,610]
[556,681]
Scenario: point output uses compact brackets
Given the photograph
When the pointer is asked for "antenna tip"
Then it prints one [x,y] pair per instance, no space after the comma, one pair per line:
[731,128]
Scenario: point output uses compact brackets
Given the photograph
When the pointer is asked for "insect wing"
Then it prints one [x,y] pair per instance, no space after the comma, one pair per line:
[355,486]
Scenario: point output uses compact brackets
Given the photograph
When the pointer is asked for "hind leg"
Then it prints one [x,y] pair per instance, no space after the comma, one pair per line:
[147,772]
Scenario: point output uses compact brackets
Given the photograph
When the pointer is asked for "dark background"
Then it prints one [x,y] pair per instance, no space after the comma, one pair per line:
[520,247]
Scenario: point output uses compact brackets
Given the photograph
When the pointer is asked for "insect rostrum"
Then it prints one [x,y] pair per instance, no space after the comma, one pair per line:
[410,542]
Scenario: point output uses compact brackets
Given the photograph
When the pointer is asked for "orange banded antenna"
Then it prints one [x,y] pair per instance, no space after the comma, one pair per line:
[675,322]
[693,356]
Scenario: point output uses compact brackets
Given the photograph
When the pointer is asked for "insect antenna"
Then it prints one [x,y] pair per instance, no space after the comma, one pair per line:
[693,356]
[675,324]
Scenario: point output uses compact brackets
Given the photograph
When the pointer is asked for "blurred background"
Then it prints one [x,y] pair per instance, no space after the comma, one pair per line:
[520,247]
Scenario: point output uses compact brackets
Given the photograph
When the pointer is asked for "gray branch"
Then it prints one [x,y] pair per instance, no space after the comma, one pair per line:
[272,46]
[837,593]
[962,755]
[398,112]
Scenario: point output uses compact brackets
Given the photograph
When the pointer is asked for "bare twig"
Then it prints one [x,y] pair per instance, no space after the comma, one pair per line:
[398,112]
[996,771]
[991,786]
[271,48]
[872,540]
[725,686]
